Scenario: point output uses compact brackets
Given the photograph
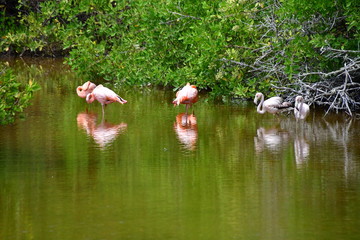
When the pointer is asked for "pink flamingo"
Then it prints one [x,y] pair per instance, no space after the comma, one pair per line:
[85,89]
[187,95]
[104,96]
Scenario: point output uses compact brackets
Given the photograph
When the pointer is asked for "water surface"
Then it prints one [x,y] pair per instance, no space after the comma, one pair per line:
[148,171]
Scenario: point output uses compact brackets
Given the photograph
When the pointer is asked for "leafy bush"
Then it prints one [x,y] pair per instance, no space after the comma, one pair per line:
[228,47]
[14,97]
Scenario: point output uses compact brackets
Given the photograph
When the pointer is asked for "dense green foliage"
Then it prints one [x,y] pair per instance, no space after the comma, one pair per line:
[14,97]
[227,46]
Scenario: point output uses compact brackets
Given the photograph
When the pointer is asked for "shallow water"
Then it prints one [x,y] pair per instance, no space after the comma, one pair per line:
[147,171]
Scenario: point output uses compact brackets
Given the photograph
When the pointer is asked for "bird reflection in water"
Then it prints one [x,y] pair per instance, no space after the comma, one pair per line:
[272,139]
[186,130]
[302,150]
[103,133]
[276,140]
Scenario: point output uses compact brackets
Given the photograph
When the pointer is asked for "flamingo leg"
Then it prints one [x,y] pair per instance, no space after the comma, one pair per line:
[103,110]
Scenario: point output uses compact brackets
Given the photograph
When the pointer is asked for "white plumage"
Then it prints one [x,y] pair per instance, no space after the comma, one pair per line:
[272,105]
[301,109]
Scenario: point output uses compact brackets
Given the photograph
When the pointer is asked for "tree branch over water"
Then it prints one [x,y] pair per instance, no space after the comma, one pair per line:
[336,90]
[295,58]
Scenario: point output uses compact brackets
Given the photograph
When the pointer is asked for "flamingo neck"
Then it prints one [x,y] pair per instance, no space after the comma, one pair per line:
[260,108]
[300,106]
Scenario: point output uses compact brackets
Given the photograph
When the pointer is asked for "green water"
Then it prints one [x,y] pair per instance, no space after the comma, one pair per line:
[230,173]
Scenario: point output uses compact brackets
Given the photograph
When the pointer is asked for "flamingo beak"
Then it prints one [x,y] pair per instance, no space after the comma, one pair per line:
[122,101]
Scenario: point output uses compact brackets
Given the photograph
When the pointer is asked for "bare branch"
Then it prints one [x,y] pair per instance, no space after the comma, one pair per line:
[178,19]
[185,16]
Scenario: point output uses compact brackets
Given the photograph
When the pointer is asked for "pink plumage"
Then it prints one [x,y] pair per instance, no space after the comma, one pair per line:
[85,89]
[104,96]
[187,95]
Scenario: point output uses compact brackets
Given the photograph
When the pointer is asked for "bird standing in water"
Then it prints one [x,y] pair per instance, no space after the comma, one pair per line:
[187,95]
[301,109]
[104,96]
[272,105]
[85,89]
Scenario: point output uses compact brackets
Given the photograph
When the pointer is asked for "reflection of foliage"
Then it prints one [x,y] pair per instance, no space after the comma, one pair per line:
[14,97]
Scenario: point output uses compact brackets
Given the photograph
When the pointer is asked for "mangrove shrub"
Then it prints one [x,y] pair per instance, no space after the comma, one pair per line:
[14,96]
[229,47]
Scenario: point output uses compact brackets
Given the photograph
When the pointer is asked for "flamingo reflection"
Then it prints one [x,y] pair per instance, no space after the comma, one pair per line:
[103,133]
[302,150]
[186,130]
[271,139]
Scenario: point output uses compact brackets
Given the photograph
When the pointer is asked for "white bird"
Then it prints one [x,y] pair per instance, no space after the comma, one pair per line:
[272,105]
[301,109]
